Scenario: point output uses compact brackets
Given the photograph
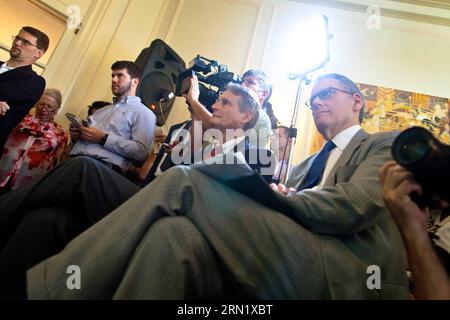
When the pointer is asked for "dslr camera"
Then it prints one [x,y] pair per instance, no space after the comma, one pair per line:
[212,76]
[417,150]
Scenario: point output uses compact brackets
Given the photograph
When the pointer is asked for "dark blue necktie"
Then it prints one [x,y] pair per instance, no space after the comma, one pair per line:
[318,166]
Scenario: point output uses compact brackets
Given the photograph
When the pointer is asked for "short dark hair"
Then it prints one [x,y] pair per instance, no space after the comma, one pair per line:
[42,40]
[349,85]
[97,105]
[246,103]
[263,80]
[283,128]
[132,68]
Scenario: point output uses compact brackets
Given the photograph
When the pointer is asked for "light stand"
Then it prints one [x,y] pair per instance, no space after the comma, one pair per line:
[292,130]
[305,62]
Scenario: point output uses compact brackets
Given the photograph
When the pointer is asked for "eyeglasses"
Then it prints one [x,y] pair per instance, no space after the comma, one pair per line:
[24,41]
[47,107]
[325,94]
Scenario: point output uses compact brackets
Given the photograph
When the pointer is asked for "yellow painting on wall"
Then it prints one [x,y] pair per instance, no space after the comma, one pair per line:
[390,109]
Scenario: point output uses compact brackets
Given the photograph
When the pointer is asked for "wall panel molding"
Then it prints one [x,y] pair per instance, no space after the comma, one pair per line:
[63,69]
[440,4]
[159,20]
[175,19]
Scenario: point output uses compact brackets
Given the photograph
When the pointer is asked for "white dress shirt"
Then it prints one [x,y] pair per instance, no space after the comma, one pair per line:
[341,140]
[4,68]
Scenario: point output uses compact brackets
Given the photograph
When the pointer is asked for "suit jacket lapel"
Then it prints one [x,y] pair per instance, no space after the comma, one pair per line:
[298,174]
[346,155]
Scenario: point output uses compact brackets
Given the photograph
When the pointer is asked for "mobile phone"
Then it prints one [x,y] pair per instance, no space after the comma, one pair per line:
[74,120]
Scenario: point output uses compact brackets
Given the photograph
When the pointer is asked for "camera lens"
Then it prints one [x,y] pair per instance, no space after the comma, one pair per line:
[412,147]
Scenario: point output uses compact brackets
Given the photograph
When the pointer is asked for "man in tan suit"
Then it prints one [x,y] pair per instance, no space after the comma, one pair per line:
[189,236]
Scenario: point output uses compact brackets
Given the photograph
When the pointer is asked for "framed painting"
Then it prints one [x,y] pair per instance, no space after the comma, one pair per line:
[391,109]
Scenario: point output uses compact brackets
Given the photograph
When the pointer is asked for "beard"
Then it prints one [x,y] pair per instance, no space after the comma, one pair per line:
[15,53]
[121,91]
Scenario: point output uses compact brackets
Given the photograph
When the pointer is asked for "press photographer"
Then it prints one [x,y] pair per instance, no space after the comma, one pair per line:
[209,78]
[418,178]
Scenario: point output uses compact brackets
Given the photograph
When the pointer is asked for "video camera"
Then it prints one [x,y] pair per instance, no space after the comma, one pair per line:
[212,76]
[428,159]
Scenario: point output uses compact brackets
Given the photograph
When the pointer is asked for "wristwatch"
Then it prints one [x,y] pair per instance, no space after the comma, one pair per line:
[103,140]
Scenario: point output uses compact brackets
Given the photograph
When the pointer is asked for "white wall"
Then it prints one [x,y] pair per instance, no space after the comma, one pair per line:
[242,34]
[111,30]
[221,30]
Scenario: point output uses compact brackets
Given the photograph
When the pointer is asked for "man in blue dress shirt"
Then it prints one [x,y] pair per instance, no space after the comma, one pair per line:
[121,133]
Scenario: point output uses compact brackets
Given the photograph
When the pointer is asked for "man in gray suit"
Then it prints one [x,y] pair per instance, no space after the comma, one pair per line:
[189,236]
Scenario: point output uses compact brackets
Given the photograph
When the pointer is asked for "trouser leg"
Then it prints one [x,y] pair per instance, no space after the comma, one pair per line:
[41,233]
[82,185]
[173,261]
[267,254]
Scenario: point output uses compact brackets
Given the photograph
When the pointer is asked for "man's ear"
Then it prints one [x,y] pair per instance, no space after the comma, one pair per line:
[135,81]
[358,102]
[247,116]
[39,54]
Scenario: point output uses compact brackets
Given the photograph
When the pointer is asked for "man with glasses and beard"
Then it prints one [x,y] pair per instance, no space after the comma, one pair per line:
[121,133]
[20,86]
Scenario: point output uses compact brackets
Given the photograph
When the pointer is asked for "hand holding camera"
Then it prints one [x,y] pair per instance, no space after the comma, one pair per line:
[212,79]
[398,185]
[417,150]
[416,180]
[193,93]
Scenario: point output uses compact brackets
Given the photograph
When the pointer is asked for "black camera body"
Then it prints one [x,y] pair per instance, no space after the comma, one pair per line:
[417,150]
[212,76]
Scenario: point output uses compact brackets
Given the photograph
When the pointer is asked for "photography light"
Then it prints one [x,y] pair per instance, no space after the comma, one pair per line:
[308,49]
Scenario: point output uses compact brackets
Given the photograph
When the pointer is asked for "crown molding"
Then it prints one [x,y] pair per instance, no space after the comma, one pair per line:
[388,11]
[440,4]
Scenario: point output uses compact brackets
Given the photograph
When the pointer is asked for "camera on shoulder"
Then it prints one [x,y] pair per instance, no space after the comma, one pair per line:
[212,77]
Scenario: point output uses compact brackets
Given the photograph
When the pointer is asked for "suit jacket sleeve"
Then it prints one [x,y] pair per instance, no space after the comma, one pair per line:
[27,88]
[21,91]
[351,205]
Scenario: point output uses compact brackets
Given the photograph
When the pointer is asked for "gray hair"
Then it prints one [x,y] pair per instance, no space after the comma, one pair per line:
[349,85]
[263,80]
[246,103]
[55,94]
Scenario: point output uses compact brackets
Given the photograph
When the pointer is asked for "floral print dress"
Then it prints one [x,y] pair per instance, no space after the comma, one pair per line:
[32,149]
